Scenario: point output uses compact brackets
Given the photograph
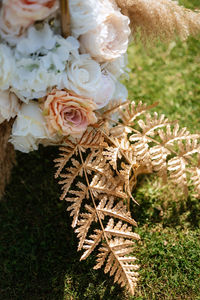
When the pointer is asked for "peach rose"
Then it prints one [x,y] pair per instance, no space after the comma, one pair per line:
[17,15]
[67,113]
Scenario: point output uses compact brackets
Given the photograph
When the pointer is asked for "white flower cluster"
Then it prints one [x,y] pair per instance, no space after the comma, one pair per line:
[89,63]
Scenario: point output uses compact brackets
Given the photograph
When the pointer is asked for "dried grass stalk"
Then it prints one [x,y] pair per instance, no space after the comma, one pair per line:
[163,19]
[7,155]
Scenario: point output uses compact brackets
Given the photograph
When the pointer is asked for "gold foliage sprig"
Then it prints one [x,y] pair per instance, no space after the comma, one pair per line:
[98,172]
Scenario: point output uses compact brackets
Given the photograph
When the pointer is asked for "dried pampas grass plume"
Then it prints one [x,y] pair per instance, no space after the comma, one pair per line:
[7,155]
[163,19]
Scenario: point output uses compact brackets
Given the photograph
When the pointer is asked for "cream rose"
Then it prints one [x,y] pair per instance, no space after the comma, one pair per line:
[67,113]
[9,106]
[85,15]
[109,40]
[6,67]
[17,15]
[83,76]
[117,67]
[29,128]
[121,92]
[105,92]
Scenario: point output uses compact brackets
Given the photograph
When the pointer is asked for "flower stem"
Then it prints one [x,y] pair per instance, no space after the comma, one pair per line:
[65,18]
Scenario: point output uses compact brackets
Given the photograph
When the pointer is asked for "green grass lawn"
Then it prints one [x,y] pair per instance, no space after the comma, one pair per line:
[38,253]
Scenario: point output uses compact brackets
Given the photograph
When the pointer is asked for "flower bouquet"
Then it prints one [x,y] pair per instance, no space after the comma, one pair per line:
[60,72]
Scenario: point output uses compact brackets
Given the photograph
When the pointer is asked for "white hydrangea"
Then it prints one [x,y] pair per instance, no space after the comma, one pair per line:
[9,105]
[29,128]
[38,73]
[30,81]
[7,67]
[36,41]
[43,41]
[57,58]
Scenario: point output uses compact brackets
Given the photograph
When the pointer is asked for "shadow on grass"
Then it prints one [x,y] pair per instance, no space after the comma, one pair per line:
[37,244]
[164,206]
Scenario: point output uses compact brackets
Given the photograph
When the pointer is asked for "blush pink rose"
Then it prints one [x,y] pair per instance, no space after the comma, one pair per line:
[67,113]
[17,15]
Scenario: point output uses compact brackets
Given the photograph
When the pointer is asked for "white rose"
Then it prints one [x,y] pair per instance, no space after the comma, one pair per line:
[109,40]
[65,47]
[105,92]
[29,128]
[121,92]
[9,105]
[6,66]
[84,15]
[83,76]
[120,95]
[117,67]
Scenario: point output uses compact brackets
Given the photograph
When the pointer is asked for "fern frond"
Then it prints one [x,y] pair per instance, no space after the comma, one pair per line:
[128,175]
[70,176]
[118,264]
[152,123]
[195,176]
[97,163]
[177,169]
[92,243]
[190,147]
[119,211]
[178,165]
[102,184]
[174,134]
[132,111]
[120,230]
[66,153]
[77,196]
[116,151]
[113,107]
[92,139]
[141,138]
[142,154]
[103,166]
[84,224]
[158,155]
[112,154]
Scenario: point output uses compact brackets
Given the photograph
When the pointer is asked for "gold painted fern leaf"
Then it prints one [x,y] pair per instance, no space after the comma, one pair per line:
[98,213]
[98,172]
